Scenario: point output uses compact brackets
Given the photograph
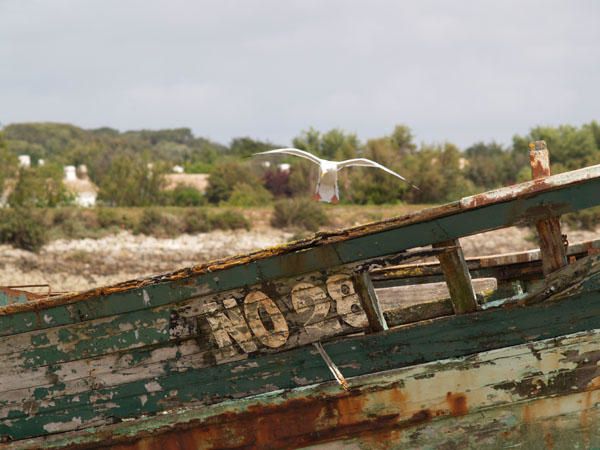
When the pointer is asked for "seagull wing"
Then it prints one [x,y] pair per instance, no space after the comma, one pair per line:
[294,152]
[363,162]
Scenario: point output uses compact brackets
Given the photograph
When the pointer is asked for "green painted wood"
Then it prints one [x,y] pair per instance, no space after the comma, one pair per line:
[122,332]
[439,339]
[556,367]
[322,257]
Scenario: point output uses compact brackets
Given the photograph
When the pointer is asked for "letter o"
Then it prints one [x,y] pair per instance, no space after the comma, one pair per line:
[253,302]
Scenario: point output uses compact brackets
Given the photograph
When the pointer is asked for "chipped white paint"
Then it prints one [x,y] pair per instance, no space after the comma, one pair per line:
[55,427]
[152,386]
[230,324]
[341,290]
[146,298]
[311,302]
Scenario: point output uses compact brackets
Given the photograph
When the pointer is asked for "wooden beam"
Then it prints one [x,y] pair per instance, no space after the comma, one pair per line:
[551,242]
[368,298]
[457,277]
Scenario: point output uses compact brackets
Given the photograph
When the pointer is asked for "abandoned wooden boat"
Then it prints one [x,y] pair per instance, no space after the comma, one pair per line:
[341,340]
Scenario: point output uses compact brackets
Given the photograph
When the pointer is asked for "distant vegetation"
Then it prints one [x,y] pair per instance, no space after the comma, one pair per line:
[31,228]
[129,168]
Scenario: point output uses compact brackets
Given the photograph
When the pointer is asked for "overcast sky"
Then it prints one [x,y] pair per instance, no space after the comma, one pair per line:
[460,71]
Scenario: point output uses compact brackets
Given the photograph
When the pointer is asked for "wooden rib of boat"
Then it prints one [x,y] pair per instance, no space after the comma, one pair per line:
[341,340]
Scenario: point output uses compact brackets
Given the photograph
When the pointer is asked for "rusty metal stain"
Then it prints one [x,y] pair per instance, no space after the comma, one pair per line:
[457,402]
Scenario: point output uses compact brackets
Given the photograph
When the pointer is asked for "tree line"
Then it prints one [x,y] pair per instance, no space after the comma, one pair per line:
[129,167]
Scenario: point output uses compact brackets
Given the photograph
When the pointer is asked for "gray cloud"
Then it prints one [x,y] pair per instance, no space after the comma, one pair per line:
[460,71]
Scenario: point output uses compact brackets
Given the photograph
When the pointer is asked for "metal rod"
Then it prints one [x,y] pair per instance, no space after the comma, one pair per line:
[332,367]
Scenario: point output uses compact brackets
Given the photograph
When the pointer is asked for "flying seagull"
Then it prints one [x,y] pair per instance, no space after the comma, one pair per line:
[327,185]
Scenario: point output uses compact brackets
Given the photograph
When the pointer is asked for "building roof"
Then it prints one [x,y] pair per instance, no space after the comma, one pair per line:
[80,186]
[195,180]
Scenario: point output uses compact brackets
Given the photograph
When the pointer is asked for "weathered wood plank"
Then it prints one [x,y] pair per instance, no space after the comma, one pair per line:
[56,364]
[551,242]
[370,302]
[553,195]
[408,304]
[446,337]
[457,278]
[541,381]
[116,368]
[227,326]
[391,298]
[41,357]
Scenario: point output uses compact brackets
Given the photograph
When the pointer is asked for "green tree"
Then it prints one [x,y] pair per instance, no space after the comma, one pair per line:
[132,181]
[396,151]
[594,128]
[333,145]
[40,186]
[489,166]
[439,176]
[224,178]
[570,147]
[244,147]
[402,140]
[8,164]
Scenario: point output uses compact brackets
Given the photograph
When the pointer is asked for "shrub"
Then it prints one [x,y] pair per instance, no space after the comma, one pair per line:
[244,194]
[157,223]
[229,220]
[108,217]
[587,219]
[278,182]
[131,181]
[196,221]
[224,177]
[67,223]
[299,213]
[184,196]
[23,229]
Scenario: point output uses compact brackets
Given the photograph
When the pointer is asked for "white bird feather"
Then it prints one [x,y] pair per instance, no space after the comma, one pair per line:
[327,185]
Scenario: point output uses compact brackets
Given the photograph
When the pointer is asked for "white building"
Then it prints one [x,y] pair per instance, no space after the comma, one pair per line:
[284,167]
[24,161]
[81,186]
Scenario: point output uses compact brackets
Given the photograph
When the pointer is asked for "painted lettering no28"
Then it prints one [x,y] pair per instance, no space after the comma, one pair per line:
[310,302]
